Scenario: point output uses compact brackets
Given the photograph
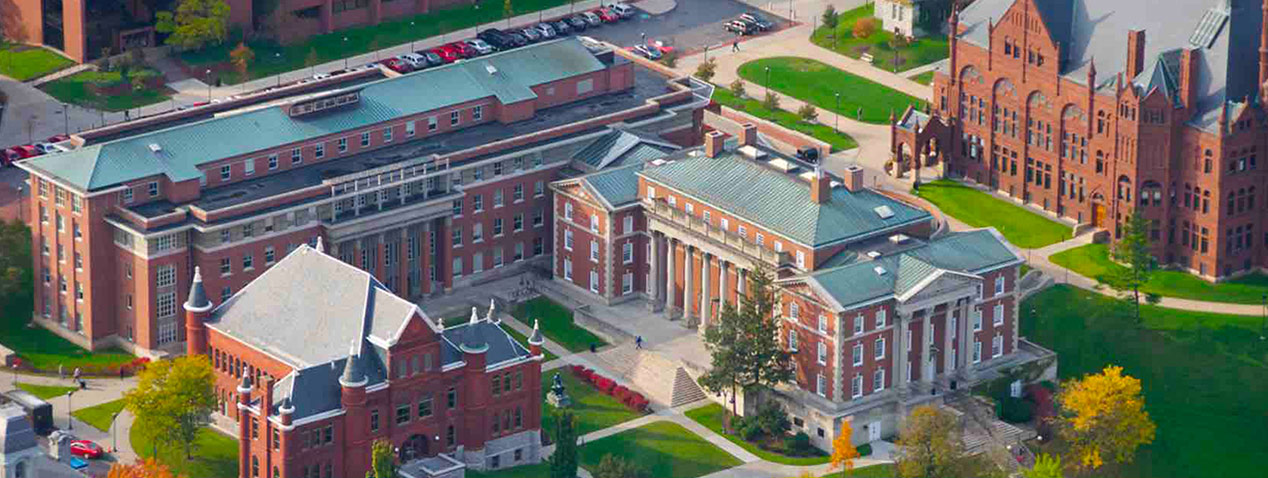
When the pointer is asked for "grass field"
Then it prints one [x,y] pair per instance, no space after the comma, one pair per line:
[1021,227]
[100,415]
[45,392]
[593,410]
[44,350]
[273,59]
[923,78]
[72,90]
[1093,261]
[839,141]
[556,324]
[819,83]
[214,454]
[920,52]
[540,470]
[1203,377]
[25,62]
[885,470]
[662,449]
[711,417]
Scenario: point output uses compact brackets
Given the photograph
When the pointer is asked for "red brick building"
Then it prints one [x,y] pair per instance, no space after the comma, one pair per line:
[429,181]
[879,303]
[306,406]
[1095,110]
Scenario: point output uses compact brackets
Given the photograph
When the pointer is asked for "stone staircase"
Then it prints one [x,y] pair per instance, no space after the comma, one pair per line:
[984,434]
[664,380]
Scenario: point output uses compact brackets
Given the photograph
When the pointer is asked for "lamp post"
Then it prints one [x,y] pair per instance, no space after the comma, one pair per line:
[837,119]
[114,433]
[768,81]
[345,49]
[70,409]
[209,84]
[412,40]
[66,118]
[278,56]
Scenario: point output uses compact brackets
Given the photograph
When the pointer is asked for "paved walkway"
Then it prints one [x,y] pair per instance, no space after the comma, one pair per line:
[99,391]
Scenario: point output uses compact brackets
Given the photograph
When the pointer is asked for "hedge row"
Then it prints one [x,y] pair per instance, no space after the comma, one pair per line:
[634,400]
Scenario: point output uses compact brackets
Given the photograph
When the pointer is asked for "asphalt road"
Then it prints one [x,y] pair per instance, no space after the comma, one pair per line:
[693,25]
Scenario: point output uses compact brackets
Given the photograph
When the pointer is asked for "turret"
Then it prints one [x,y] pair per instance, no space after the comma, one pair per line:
[535,341]
[475,390]
[352,395]
[197,309]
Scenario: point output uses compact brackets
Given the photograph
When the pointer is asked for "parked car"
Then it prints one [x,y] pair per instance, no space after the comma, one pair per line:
[545,29]
[561,26]
[740,27]
[518,39]
[447,55]
[27,151]
[608,16]
[433,58]
[414,60]
[661,46]
[462,49]
[497,39]
[57,138]
[592,19]
[622,10]
[86,449]
[578,23]
[531,34]
[757,19]
[398,65]
[321,76]
[8,156]
[808,154]
[48,148]
[480,46]
[645,52]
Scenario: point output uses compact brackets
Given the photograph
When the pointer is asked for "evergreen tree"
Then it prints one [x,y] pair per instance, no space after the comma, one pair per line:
[744,344]
[1132,251]
[563,463]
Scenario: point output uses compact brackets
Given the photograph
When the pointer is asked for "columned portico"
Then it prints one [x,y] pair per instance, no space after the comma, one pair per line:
[688,267]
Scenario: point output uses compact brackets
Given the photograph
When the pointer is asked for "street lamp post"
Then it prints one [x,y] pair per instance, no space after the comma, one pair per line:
[114,433]
[412,39]
[837,119]
[209,84]
[70,409]
[278,56]
[1263,304]
[768,81]
[345,50]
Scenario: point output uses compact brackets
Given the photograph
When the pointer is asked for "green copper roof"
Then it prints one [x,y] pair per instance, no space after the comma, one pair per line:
[507,76]
[618,186]
[966,252]
[781,202]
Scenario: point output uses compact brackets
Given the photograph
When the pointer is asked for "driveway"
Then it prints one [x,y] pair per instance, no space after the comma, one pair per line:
[692,25]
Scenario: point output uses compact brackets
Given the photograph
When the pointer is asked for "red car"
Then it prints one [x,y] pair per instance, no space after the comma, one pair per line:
[27,151]
[8,156]
[86,449]
[462,49]
[445,54]
[57,138]
[397,65]
[607,15]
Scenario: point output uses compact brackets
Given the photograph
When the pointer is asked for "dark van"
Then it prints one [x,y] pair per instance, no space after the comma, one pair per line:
[40,411]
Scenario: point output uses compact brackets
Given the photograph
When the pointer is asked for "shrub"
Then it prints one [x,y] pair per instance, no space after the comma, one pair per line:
[737,88]
[772,419]
[808,113]
[576,370]
[864,27]
[1016,410]
[706,69]
[604,384]
[864,449]
[749,430]
[830,17]
[798,444]
[670,59]
[771,102]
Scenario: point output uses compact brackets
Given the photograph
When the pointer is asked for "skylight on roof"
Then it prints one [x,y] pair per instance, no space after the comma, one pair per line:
[1208,28]
[883,211]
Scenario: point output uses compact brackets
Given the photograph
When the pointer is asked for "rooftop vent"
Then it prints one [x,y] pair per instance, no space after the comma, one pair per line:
[493,70]
[883,211]
[658,162]
[880,271]
[751,152]
[873,254]
[780,164]
[898,238]
[155,148]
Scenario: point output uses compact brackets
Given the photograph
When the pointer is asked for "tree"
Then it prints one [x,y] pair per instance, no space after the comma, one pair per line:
[1132,251]
[670,59]
[173,399]
[897,42]
[864,27]
[1103,417]
[612,466]
[1046,466]
[771,102]
[563,463]
[737,88]
[242,57]
[15,259]
[706,69]
[148,468]
[744,344]
[929,445]
[195,24]
[808,112]
[138,82]
[830,18]
[382,460]
[843,450]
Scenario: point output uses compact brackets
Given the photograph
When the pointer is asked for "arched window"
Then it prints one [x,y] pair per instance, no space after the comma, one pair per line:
[1100,162]
[1124,188]
[19,470]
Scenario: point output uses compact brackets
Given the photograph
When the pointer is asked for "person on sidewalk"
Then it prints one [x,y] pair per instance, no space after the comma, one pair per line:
[638,342]
[735,45]
[76,374]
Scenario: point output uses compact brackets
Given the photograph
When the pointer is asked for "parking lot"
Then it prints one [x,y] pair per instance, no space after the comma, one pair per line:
[691,26]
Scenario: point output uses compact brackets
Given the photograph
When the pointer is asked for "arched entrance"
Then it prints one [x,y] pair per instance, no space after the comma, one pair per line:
[1098,210]
[413,448]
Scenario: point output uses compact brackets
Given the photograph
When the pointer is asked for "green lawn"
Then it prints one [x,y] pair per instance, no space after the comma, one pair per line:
[44,350]
[1204,377]
[923,78]
[25,62]
[711,417]
[920,52]
[100,415]
[214,454]
[819,83]
[884,470]
[662,449]
[45,392]
[71,90]
[1093,261]
[272,59]
[593,410]
[1025,268]
[540,470]
[1021,227]
[839,141]
[556,324]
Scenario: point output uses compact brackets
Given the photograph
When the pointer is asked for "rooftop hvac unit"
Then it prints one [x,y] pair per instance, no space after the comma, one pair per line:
[880,271]
[155,148]
[751,152]
[873,254]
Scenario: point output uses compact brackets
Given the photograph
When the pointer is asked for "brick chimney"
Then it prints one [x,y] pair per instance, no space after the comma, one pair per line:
[1188,77]
[268,399]
[1135,53]
[854,178]
[713,142]
[748,134]
[820,187]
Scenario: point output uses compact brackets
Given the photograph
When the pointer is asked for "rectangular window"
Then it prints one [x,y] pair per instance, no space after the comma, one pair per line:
[627,253]
[823,353]
[997,315]
[823,323]
[297,156]
[821,385]
[451,398]
[858,324]
[538,218]
[878,380]
[567,269]
[154,188]
[477,202]
[424,407]
[517,194]
[627,283]
[453,118]
[880,318]
[387,134]
[594,250]
[517,223]
[272,162]
[269,255]
[977,320]
[628,224]
[539,189]
[999,285]
[365,139]
[585,86]
[856,386]
[857,355]
[226,266]
[249,167]
[248,262]
[879,349]
[792,340]
[594,281]
[431,123]
[319,150]
[568,239]
[477,113]
[409,128]
[374,422]
[497,198]
[127,195]
[342,145]
[977,351]
[402,414]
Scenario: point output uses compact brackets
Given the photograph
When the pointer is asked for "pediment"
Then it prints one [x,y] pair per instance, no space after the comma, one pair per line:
[944,285]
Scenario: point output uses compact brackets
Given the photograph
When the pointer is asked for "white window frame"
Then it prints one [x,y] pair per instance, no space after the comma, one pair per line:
[856,386]
[792,339]
[823,323]
[822,355]
[880,318]
[878,380]
[594,281]
[627,253]
[567,269]
[977,351]
[997,314]
[821,385]
[878,348]
[858,324]
[627,282]
[999,285]
[628,223]
[856,353]
[594,250]
[567,239]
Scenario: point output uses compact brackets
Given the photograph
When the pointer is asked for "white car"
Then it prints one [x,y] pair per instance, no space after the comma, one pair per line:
[545,30]
[321,76]
[622,10]
[480,46]
[415,60]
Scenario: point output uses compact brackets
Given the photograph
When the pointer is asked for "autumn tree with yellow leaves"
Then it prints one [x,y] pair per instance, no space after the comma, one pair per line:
[1103,418]
[843,451]
[148,468]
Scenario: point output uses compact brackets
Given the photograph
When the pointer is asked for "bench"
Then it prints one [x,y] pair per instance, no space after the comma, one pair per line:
[866,57]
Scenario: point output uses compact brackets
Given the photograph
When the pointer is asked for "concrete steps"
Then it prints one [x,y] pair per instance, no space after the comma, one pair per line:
[664,380]
[686,390]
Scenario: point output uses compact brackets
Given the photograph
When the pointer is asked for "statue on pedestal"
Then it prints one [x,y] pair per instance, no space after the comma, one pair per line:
[557,396]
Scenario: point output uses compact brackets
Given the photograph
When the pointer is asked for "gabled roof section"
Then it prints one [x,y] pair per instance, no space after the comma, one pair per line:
[308,307]
[507,76]
[501,346]
[616,187]
[616,146]
[779,201]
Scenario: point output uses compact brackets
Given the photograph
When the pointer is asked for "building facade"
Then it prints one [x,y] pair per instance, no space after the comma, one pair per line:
[425,191]
[306,406]
[1094,121]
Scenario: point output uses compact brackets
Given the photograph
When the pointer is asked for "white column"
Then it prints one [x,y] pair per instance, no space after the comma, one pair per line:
[671,247]
[687,266]
[721,284]
[705,309]
[948,367]
[925,358]
[653,271]
[900,350]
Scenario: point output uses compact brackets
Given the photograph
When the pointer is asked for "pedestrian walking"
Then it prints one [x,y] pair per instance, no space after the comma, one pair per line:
[735,45]
[638,342]
[61,372]
[77,373]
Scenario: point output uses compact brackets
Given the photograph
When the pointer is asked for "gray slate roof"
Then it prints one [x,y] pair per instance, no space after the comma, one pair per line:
[16,433]
[780,202]
[621,147]
[184,147]
[502,346]
[969,252]
[1098,29]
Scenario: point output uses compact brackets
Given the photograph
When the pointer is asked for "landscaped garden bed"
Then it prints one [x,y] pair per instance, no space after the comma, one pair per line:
[110,90]
[592,409]
[819,84]
[787,119]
